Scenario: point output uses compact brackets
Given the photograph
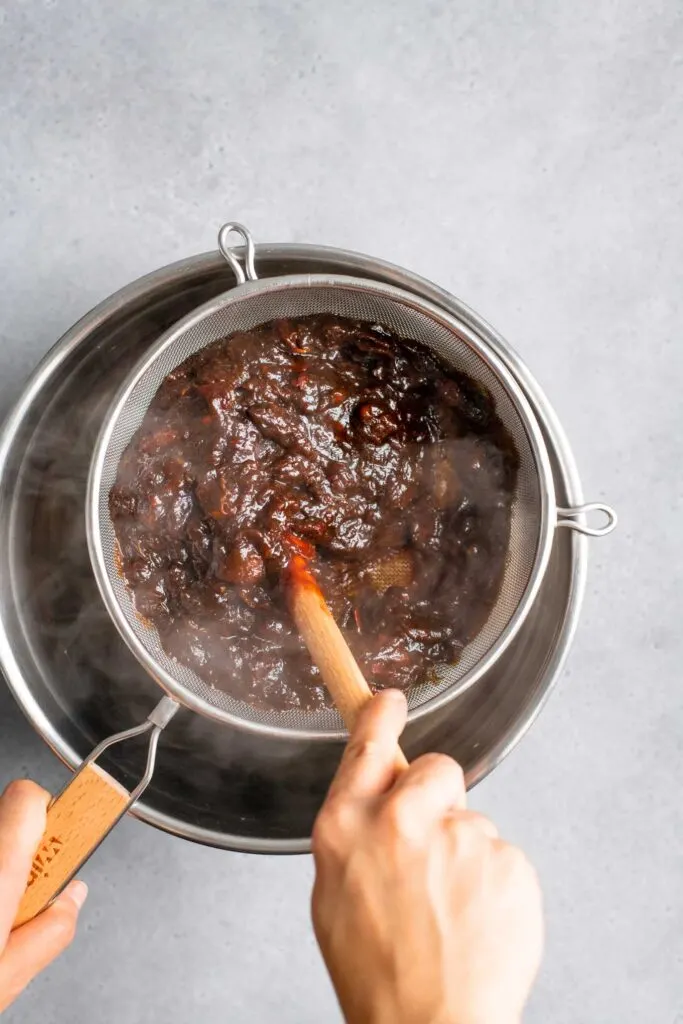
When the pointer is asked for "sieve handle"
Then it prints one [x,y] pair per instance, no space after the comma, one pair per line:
[328,648]
[77,822]
[83,814]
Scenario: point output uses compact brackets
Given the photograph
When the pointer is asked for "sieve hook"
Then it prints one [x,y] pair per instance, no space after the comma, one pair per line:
[567,517]
[84,813]
[232,227]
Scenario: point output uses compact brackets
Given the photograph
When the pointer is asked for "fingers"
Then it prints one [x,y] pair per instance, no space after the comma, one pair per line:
[26,951]
[368,766]
[433,787]
[23,808]
[36,944]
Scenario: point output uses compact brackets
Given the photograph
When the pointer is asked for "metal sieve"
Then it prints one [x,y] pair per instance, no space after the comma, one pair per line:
[255,302]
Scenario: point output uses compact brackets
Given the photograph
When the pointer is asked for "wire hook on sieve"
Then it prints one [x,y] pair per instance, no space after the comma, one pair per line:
[229,255]
[569,517]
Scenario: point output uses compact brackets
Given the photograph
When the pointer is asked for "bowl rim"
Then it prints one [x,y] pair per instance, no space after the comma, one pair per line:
[348,261]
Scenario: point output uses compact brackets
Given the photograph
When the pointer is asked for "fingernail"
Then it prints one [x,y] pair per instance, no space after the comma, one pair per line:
[396,695]
[77,892]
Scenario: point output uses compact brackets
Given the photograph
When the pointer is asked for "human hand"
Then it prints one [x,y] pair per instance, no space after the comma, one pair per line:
[423,915]
[27,950]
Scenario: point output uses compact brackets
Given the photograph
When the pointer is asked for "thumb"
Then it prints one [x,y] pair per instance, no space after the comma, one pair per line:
[36,944]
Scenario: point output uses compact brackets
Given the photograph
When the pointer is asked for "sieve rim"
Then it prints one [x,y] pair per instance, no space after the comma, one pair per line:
[262,286]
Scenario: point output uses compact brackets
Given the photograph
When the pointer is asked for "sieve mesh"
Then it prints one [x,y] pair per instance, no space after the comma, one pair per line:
[249,306]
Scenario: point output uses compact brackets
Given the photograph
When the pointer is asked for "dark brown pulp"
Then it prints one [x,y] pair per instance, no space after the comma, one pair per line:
[394,467]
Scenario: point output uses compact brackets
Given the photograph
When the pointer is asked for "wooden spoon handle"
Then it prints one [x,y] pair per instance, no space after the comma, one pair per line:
[77,822]
[328,648]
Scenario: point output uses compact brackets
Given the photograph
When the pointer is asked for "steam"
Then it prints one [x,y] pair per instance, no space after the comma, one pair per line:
[206,772]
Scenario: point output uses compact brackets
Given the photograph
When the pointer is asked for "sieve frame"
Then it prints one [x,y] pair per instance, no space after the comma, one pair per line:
[256,287]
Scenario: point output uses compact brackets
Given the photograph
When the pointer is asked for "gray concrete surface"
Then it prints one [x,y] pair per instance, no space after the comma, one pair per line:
[527,156]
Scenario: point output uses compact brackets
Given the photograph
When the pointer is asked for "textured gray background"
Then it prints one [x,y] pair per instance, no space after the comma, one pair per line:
[527,156]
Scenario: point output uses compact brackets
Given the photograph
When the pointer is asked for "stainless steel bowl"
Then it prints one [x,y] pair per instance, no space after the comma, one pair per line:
[75,679]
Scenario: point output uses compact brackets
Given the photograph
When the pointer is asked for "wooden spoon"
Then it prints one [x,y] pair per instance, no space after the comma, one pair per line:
[327,646]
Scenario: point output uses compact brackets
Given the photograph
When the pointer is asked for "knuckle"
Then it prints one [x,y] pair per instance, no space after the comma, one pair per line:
[515,861]
[361,749]
[440,773]
[398,818]
[319,838]
[443,765]
[468,837]
[519,875]
[465,824]
[458,773]
[332,828]
[483,825]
